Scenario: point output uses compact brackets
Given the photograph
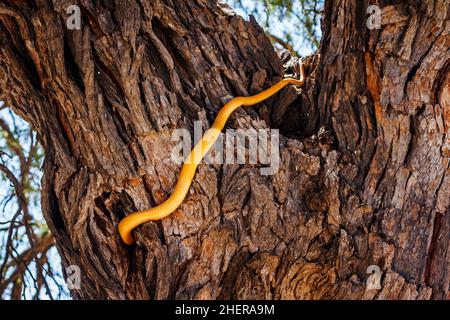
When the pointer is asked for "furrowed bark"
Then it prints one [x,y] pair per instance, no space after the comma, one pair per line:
[364,172]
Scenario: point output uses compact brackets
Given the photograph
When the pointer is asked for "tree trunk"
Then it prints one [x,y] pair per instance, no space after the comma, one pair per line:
[364,170]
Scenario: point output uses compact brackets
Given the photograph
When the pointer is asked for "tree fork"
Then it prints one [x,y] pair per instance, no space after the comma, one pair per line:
[363,177]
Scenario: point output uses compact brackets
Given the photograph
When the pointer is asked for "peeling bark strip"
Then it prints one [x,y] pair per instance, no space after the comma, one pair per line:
[364,173]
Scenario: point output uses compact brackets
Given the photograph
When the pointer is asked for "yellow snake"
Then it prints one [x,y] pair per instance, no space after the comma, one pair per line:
[190,164]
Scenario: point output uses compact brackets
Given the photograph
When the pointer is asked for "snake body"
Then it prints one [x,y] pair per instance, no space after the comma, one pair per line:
[189,168]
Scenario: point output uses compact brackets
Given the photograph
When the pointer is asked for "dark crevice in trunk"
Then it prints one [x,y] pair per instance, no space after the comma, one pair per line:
[180,278]
[72,67]
[155,60]
[412,132]
[111,81]
[150,117]
[121,128]
[123,206]
[440,83]
[437,223]
[412,72]
[55,212]
[151,283]
[167,37]
[29,67]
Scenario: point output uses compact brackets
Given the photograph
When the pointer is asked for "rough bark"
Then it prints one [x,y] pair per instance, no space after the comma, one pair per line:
[364,174]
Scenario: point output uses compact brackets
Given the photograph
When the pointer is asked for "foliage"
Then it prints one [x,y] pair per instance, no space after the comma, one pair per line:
[291,24]
[27,254]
